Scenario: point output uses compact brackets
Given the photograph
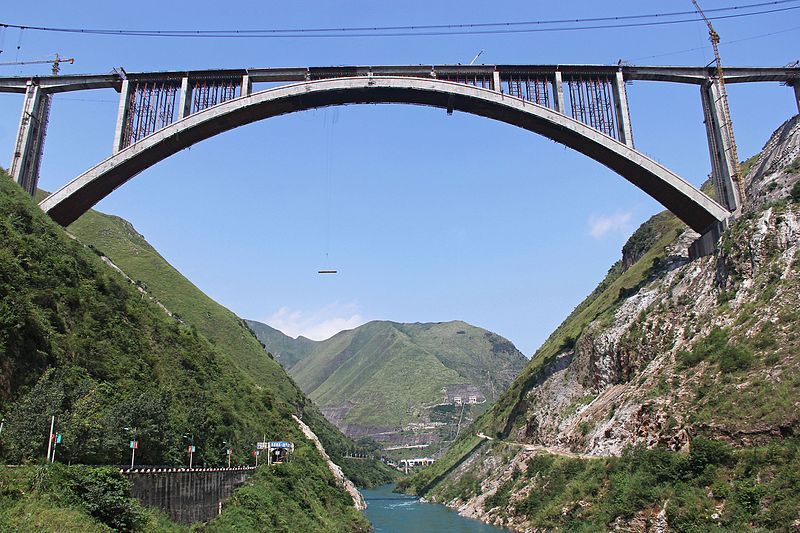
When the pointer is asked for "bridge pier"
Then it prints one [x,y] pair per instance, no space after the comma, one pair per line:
[184,105]
[720,146]
[797,94]
[27,155]
[247,85]
[122,116]
[558,93]
[623,112]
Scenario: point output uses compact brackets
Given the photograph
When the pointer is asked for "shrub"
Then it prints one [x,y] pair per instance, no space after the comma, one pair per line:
[688,359]
[104,493]
[705,453]
[733,358]
[795,193]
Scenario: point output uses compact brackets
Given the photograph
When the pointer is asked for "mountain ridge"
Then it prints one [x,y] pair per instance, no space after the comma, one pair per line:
[383,377]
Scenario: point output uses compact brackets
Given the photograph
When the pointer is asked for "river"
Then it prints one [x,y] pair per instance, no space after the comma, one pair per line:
[398,513]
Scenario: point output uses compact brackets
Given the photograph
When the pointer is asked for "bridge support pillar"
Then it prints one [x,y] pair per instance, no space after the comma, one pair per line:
[122,116]
[185,102]
[797,94]
[247,85]
[27,154]
[558,93]
[497,83]
[720,146]
[623,112]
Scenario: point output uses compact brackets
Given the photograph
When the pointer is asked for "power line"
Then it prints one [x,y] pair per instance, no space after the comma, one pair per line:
[727,43]
[431,29]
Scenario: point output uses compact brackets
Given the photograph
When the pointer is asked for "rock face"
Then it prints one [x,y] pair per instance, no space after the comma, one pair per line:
[346,484]
[706,348]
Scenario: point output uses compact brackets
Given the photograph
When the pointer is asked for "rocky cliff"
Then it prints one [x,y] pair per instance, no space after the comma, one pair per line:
[667,356]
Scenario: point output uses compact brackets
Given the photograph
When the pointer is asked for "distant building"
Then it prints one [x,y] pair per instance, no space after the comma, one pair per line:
[457,400]
[473,399]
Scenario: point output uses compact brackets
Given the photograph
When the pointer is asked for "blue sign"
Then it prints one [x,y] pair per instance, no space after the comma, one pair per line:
[280,444]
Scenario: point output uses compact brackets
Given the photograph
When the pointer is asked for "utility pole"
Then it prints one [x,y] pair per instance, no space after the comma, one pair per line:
[727,124]
[134,443]
[190,436]
[50,437]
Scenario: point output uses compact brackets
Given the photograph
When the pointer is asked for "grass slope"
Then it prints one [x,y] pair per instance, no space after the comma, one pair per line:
[78,341]
[390,370]
[287,351]
[116,238]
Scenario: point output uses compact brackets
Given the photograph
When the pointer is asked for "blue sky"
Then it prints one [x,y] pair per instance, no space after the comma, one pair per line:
[428,217]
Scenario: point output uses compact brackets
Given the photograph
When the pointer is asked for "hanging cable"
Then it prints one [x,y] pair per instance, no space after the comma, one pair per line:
[330,118]
[609,22]
[19,43]
[3,31]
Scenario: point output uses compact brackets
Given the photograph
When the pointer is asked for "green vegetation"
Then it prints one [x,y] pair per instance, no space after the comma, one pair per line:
[390,371]
[300,495]
[795,194]
[72,498]
[650,243]
[287,351]
[422,482]
[711,488]
[79,341]
[717,347]
[116,238]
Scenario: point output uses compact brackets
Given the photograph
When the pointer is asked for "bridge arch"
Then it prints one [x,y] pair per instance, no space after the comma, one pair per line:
[689,204]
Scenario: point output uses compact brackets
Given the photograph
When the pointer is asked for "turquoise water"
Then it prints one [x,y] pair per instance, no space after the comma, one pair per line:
[397,513]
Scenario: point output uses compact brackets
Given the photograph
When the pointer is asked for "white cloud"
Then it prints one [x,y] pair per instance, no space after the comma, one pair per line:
[600,226]
[319,324]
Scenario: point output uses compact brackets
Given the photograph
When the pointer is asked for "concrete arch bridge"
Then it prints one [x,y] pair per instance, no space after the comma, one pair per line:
[581,106]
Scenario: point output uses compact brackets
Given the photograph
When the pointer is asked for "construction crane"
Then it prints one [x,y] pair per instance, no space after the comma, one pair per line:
[713,36]
[55,62]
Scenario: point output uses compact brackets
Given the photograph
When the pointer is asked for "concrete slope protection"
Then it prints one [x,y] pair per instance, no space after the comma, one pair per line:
[693,207]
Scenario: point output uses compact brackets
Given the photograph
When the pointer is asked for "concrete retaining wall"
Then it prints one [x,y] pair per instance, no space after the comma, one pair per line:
[187,496]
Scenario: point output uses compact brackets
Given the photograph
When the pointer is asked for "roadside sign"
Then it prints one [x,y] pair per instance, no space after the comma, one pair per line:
[280,444]
[192,449]
[58,438]
[134,444]
[262,445]
[228,451]
[255,453]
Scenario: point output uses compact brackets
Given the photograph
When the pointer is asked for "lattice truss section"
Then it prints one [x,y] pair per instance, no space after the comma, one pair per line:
[477,80]
[155,104]
[209,91]
[591,101]
[152,105]
[538,90]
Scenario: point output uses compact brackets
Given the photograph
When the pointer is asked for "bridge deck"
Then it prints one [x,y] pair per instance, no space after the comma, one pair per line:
[674,74]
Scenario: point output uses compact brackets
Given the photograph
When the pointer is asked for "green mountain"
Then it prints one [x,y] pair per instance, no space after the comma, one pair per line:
[396,382]
[81,342]
[287,351]
[115,238]
[668,399]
